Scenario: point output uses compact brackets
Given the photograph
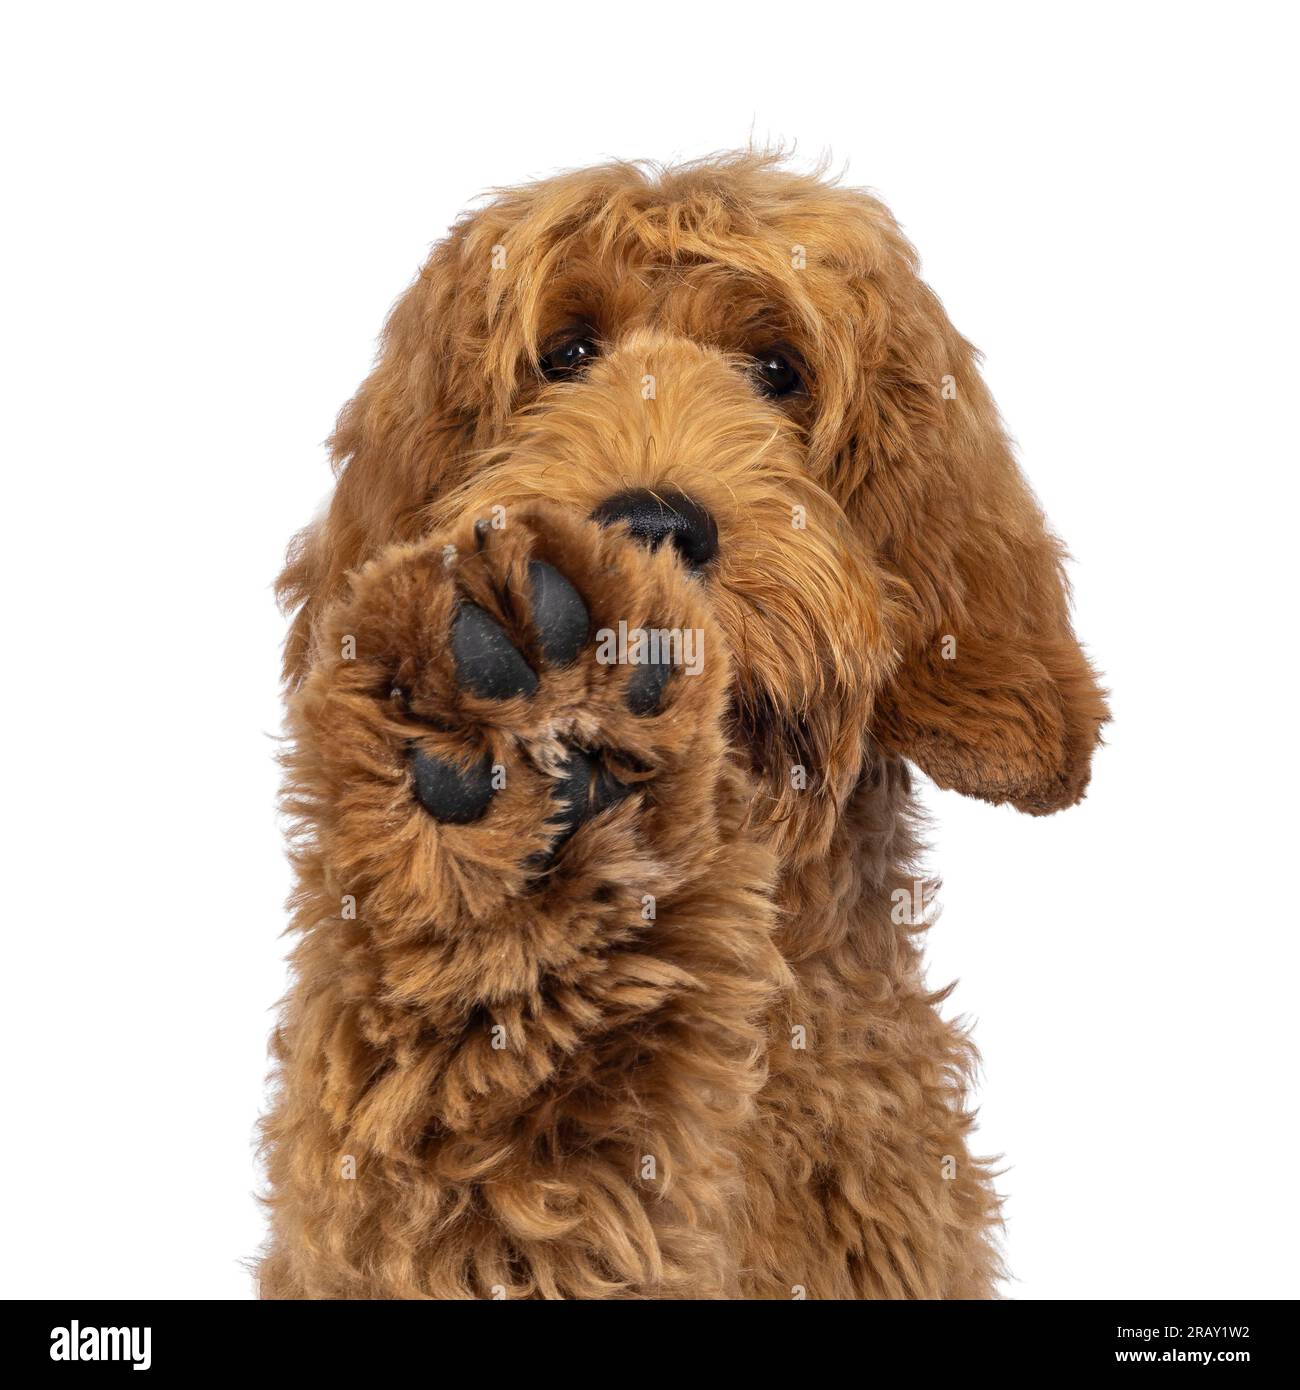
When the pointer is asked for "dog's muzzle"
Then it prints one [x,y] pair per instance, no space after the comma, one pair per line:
[653,517]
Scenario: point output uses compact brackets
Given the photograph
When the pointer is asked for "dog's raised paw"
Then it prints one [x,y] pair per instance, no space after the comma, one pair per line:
[514,707]
[525,679]
[490,666]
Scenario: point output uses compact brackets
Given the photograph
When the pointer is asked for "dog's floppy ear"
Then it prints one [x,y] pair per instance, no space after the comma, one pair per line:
[397,441]
[993,695]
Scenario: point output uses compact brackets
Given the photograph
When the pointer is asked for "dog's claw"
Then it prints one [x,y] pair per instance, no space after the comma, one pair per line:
[487,662]
[448,793]
[559,614]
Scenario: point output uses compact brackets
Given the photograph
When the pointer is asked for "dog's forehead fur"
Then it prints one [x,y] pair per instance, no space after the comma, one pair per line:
[737,254]
[717,251]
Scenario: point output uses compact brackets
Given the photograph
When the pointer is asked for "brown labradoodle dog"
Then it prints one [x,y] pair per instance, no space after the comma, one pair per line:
[607,982]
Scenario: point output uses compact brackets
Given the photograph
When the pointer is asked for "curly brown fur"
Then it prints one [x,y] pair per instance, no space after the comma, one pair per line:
[499,1074]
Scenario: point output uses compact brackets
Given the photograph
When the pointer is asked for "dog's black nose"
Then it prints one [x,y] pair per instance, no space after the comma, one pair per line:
[667,514]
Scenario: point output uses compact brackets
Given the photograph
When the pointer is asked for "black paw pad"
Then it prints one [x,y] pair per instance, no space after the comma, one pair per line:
[449,794]
[559,614]
[487,662]
[645,687]
[585,789]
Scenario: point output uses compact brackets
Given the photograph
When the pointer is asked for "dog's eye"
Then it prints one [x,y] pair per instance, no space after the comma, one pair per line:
[569,357]
[774,375]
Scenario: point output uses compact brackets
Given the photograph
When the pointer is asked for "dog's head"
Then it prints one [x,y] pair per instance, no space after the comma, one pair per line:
[741,359]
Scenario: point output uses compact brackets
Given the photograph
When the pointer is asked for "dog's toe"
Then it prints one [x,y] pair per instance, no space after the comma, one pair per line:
[645,687]
[448,793]
[559,614]
[487,662]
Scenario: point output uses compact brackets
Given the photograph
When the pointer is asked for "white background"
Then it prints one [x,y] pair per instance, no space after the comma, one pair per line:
[210,210]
